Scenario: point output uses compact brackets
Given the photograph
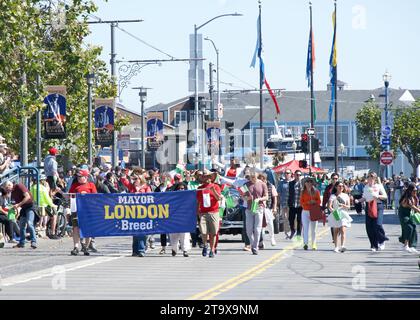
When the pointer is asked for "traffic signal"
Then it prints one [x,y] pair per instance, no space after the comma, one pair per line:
[303,164]
[231,143]
[305,143]
[229,126]
[315,144]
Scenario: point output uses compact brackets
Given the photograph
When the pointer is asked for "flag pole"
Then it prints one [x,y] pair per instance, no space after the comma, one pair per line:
[261,91]
[335,102]
[312,92]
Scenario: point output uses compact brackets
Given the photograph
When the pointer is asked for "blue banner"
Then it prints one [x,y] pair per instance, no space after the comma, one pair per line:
[110,215]
[104,125]
[54,116]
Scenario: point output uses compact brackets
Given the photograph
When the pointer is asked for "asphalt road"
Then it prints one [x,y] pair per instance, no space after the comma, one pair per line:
[285,271]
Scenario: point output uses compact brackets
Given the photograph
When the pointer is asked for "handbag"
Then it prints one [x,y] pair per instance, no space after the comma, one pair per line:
[415,217]
[316,213]
[372,209]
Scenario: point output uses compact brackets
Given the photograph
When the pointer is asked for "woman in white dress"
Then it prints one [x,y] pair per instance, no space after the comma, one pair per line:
[340,201]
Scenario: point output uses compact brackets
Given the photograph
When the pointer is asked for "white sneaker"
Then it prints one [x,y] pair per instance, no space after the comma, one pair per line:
[407,249]
[337,250]
[413,250]
[382,247]
[273,242]
[373,250]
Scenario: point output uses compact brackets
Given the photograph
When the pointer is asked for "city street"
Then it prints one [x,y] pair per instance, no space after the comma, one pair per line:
[285,271]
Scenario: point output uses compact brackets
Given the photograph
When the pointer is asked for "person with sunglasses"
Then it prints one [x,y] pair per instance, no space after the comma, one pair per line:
[374,194]
[339,200]
[309,197]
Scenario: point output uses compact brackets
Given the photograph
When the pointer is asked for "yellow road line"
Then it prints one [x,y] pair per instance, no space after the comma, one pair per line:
[249,274]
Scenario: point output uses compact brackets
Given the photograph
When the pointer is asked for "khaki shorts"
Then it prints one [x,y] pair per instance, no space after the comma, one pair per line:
[209,223]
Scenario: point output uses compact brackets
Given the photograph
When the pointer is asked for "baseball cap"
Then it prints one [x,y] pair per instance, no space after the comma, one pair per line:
[42,177]
[53,151]
[82,173]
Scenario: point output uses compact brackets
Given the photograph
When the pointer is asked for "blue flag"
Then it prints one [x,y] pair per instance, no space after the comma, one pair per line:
[258,52]
[333,66]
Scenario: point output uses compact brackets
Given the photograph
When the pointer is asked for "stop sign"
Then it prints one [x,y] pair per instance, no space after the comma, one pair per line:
[387,158]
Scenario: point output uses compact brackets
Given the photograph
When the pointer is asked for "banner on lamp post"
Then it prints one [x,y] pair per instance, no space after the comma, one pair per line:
[154,134]
[54,115]
[104,122]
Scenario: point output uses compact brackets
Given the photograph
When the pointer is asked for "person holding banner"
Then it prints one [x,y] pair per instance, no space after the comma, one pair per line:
[184,238]
[208,196]
[82,185]
[339,218]
[139,185]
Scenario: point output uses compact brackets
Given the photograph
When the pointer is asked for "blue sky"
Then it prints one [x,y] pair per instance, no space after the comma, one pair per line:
[373,35]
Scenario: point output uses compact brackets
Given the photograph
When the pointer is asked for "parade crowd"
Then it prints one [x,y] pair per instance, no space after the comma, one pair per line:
[300,201]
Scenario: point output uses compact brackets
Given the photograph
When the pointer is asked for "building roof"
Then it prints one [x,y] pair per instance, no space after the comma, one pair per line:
[243,107]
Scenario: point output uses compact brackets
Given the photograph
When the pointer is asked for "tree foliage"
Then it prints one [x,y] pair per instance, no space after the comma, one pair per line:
[368,122]
[405,134]
[31,46]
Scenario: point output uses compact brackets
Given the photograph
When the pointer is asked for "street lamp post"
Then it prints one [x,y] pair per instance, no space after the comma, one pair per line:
[196,76]
[294,147]
[387,78]
[90,78]
[218,78]
[342,149]
[143,98]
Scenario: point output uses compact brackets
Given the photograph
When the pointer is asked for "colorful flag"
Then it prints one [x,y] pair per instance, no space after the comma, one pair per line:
[258,52]
[244,189]
[310,64]
[273,97]
[333,65]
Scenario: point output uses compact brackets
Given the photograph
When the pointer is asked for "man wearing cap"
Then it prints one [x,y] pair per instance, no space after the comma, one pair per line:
[80,186]
[208,196]
[51,168]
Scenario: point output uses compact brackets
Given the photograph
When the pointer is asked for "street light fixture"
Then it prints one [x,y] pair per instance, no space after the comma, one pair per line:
[90,79]
[143,98]
[196,76]
[218,79]
[387,78]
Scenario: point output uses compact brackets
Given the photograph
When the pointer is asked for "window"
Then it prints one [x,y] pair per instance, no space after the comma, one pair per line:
[342,135]
[180,116]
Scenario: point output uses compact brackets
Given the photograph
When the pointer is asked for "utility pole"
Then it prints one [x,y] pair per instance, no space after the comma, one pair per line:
[38,127]
[211,90]
[114,24]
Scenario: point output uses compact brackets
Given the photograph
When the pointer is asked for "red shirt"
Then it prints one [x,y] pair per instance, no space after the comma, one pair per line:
[125,182]
[88,187]
[231,173]
[142,189]
[214,203]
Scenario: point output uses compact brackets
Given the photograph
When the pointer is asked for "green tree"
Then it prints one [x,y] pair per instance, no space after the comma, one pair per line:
[26,33]
[406,133]
[368,122]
